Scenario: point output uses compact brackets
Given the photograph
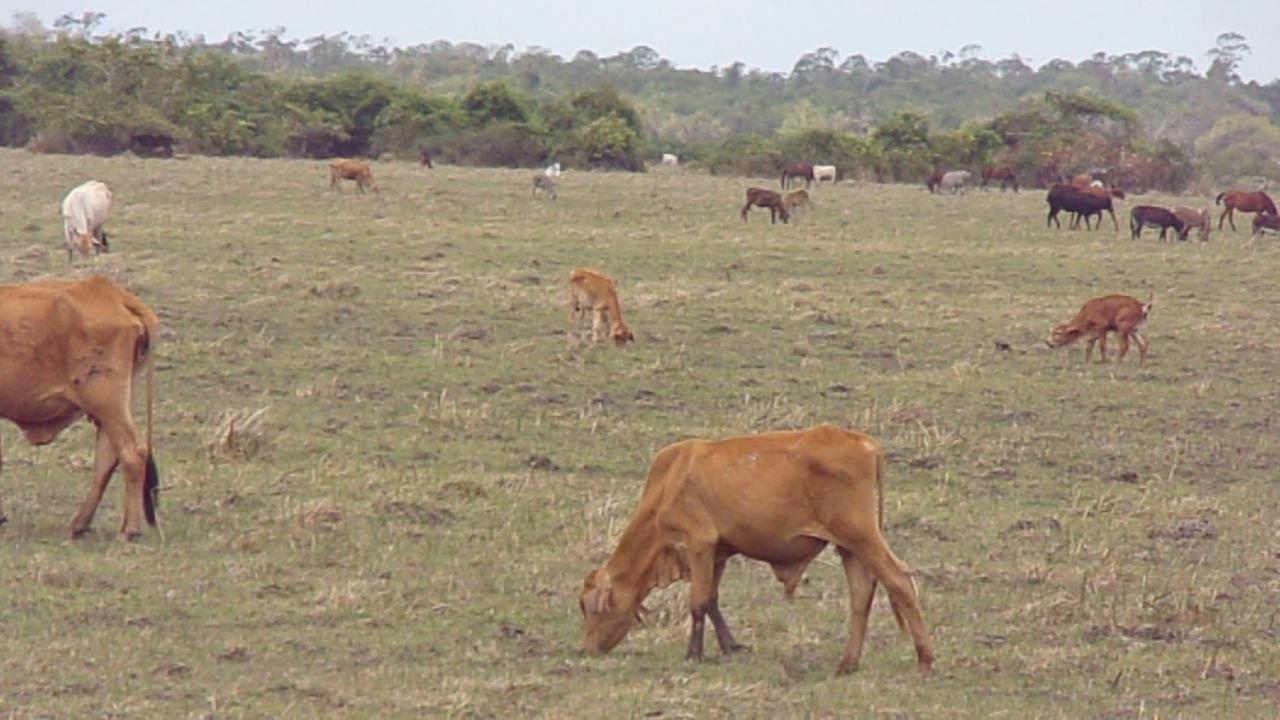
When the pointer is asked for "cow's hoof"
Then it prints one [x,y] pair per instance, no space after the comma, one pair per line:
[79,532]
[130,535]
[736,648]
[846,668]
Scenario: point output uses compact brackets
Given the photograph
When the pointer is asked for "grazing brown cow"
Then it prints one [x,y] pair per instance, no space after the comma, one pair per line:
[1248,202]
[797,171]
[1264,224]
[1120,314]
[1143,215]
[797,199]
[594,292]
[424,158]
[75,347]
[1002,174]
[766,199]
[779,497]
[358,170]
[1194,218]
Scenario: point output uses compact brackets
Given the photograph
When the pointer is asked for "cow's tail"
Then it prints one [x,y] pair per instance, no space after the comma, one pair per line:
[1218,200]
[880,488]
[1146,306]
[145,354]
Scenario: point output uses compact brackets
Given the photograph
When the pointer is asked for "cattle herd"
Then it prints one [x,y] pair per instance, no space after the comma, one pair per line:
[77,348]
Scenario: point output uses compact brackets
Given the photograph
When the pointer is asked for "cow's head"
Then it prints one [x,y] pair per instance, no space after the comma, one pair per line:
[607,616]
[1064,335]
[621,334]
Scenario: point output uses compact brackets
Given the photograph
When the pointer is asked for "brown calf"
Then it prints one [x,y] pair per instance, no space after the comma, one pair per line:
[594,292]
[779,497]
[1197,218]
[357,170]
[797,199]
[1120,314]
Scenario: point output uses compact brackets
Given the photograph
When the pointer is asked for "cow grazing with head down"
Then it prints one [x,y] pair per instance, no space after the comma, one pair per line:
[1143,215]
[759,197]
[424,158]
[72,348]
[596,293]
[1120,314]
[670,159]
[1198,218]
[796,199]
[357,170]
[1264,224]
[84,211]
[954,180]
[797,171]
[779,497]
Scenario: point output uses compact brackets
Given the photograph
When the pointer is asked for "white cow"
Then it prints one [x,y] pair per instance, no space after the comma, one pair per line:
[955,180]
[824,172]
[553,170]
[669,159]
[84,210]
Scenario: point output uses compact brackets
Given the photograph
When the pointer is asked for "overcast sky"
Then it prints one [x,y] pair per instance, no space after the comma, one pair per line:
[769,34]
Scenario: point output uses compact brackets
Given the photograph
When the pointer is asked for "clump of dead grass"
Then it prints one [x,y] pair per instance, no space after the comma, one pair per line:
[241,434]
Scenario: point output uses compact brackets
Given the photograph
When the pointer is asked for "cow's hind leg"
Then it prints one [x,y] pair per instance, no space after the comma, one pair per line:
[1142,346]
[723,636]
[862,588]
[105,460]
[1124,345]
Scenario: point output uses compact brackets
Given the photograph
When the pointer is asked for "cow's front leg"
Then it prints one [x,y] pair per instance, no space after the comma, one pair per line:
[3,517]
[701,592]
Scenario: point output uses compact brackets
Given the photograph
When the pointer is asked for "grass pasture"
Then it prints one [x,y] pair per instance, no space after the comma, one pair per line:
[396,520]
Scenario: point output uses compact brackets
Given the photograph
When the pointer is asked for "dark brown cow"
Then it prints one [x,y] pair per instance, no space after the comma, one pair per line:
[1248,202]
[766,199]
[934,180]
[72,348]
[1002,174]
[1265,224]
[797,171]
[424,158]
[1143,215]
[1082,202]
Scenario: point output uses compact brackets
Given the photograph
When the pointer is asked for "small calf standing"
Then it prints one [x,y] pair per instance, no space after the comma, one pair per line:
[594,292]
[1120,314]
[767,199]
[545,185]
[1265,224]
[797,199]
[357,170]
[1143,215]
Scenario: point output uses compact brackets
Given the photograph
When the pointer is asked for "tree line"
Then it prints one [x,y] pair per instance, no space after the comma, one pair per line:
[1149,117]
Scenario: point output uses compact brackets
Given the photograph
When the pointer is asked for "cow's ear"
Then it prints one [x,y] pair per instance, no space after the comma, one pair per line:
[599,600]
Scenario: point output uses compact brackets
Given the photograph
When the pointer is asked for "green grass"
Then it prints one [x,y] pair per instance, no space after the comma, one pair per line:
[407,531]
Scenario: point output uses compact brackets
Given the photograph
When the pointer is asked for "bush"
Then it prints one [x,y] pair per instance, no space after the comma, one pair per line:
[496,144]
[745,155]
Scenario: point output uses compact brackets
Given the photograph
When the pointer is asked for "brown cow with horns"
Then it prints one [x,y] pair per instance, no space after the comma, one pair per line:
[780,497]
[75,347]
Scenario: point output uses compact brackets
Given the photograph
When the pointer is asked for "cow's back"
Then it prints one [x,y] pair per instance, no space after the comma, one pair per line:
[761,490]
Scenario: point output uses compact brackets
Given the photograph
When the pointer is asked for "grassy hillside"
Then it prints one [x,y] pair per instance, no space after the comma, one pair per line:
[404,531]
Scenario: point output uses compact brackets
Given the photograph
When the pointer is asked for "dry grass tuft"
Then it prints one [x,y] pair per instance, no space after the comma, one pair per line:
[241,434]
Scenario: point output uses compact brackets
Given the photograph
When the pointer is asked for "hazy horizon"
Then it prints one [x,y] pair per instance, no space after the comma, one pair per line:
[761,34]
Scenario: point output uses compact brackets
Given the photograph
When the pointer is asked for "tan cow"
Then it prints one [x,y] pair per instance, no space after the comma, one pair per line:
[1120,314]
[779,497]
[591,291]
[1199,218]
[75,347]
[796,199]
[357,170]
